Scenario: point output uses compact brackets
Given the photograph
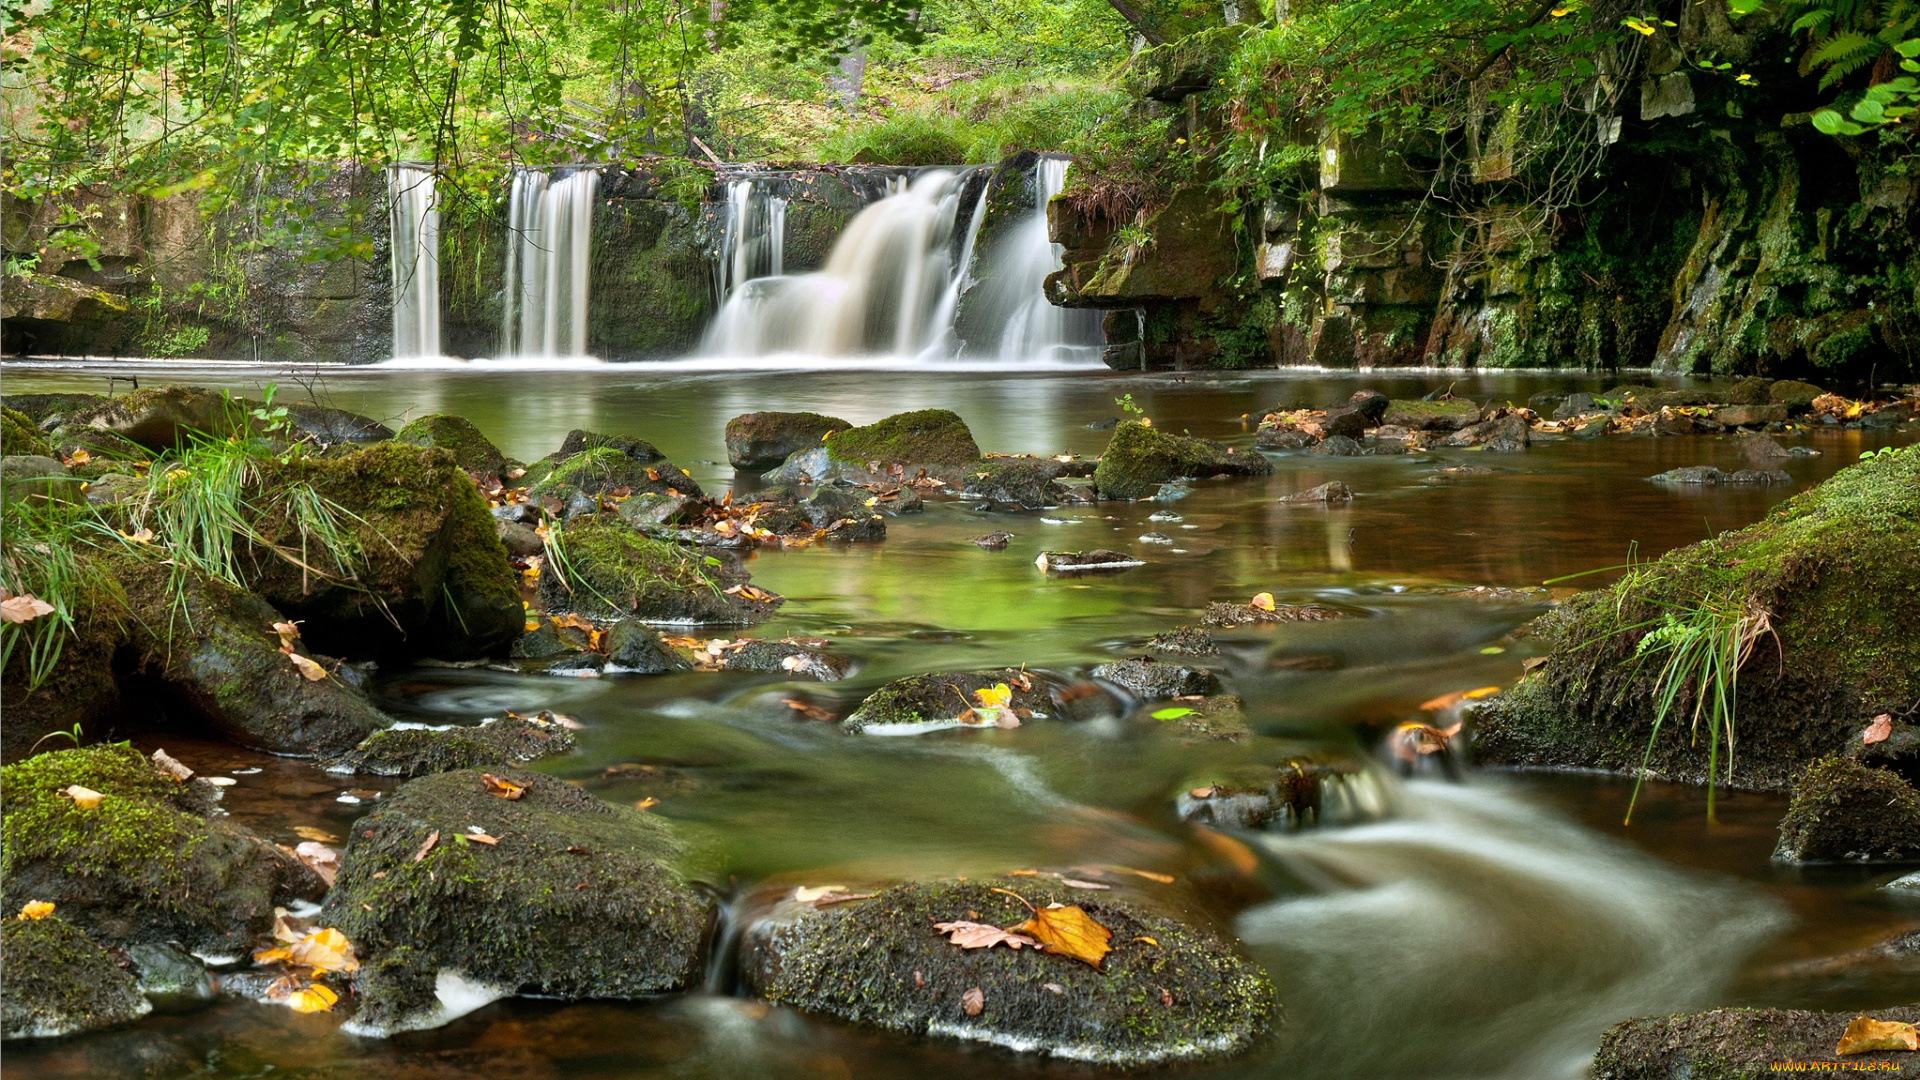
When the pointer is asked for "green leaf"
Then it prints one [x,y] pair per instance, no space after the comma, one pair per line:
[1173,713]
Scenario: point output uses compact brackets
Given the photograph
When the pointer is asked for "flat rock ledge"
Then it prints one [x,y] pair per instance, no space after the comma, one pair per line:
[1724,1044]
[1167,992]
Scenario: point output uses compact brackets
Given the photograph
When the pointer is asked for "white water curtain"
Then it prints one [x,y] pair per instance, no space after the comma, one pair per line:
[414,243]
[549,262]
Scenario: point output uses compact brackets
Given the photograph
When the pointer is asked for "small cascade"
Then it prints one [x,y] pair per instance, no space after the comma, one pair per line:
[1013,294]
[755,242]
[549,248]
[414,217]
[887,287]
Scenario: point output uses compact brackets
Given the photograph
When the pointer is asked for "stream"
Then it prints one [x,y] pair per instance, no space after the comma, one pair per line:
[1489,926]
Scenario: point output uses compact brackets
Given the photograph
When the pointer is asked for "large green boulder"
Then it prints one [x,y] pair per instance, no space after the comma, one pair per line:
[147,864]
[421,751]
[576,898]
[471,450]
[901,446]
[60,982]
[1829,582]
[1846,811]
[19,435]
[600,568]
[762,440]
[1140,458]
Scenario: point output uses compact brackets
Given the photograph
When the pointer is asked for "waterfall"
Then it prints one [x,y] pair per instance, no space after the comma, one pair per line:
[1012,295]
[886,287]
[549,244]
[414,218]
[755,241]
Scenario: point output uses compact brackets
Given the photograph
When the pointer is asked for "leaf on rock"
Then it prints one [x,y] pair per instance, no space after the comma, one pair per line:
[305,665]
[501,788]
[322,859]
[807,894]
[571,621]
[972,1002]
[1878,731]
[1174,713]
[432,839]
[313,998]
[1865,1035]
[975,935]
[1070,932]
[289,633]
[1263,601]
[323,950]
[84,798]
[35,909]
[23,608]
[481,838]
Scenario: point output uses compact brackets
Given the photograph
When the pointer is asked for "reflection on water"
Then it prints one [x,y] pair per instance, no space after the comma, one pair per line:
[1485,930]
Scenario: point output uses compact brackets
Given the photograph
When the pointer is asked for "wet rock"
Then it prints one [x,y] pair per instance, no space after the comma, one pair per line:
[471,450]
[1460,472]
[541,643]
[1431,415]
[431,558]
[521,541]
[35,479]
[1027,484]
[1108,424]
[1544,404]
[607,470]
[1796,396]
[171,975]
[1186,641]
[18,435]
[1082,562]
[112,489]
[1750,415]
[162,417]
[844,512]
[1752,390]
[1215,718]
[900,447]
[1231,615]
[655,508]
[1172,492]
[1299,792]
[1594,428]
[580,440]
[927,702]
[1500,427]
[879,962]
[1337,446]
[1832,566]
[1762,450]
[1845,811]
[1676,399]
[634,648]
[762,440]
[1283,438]
[577,899]
[1139,458]
[1736,1043]
[1702,475]
[1347,425]
[1371,404]
[1145,677]
[1165,516]
[416,751]
[1578,404]
[1506,444]
[1330,493]
[790,658]
[1675,423]
[325,427]
[576,665]
[1155,538]
[993,541]
[148,864]
[59,982]
[613,572]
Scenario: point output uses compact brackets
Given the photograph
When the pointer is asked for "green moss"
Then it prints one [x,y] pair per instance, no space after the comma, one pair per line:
[1139,458]
[1843,810]
[18,435]
[471,450]
[510,740]
[145,829]
[926,698]
[926,437]
[1423,415]
[59,982]
[604,570]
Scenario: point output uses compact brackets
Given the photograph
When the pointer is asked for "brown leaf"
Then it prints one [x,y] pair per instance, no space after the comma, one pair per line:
[1878,731]
[501,788]
[314,672]
[289,633]
[480,838]
[975,935]
[309,832]
[1070,932]
[807,894]
[324,860]
[324,950]
[972,1002]
[23,608]
[1865,1034]
[432,839]
[1075,883]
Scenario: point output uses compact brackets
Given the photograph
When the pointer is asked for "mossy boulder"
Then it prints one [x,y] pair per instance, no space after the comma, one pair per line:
[1795,395]
[1737,1044]
[1845,811]
[762,440]
[60,982]
[433,578]
[1837,568]
[1027,483]
[603,470]
[1185,641]
[1431,415]
[578,899]
[471,450]
[145,865]
[18,435]
[923,439]
[608,571]
[1168,990]
[36,479]
[929,702]
[792,659]
[416,751]
[49,409]
[1145,677]
[635,648]
[162,417]
[1139,458]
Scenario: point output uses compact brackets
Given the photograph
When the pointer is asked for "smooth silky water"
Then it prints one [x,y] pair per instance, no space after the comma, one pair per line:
[1488,927]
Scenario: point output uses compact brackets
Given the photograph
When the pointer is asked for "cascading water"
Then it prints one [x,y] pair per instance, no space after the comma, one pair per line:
[755,242]
[1012,295]
[887,287]
[550,223]
[414,217]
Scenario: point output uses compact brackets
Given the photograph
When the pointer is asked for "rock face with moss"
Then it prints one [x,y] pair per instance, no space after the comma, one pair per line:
[926,702]
[605,570]
[471,450]
[1167,992]
[1733,1044]
[19,435]
[1844,811]
[145,865]
[758,441]
[577,899]
[508,740]
[59,982]
[433,578]
[900,446]
[1139,458]
[1834,568]
[603,470]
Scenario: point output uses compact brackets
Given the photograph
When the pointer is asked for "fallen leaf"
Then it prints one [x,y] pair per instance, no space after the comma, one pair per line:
[35,909]
[572,621]
[1069,931]
[480,838]
[322,859]
[1053,988]
[288,929]
[432,839]
[646,803]
[972,1002]
[170,766]
[501,788]
[309,832]
[1263,601]
[139,536]
[1076,883]
[272,956]
[1174,713]
[1201,793]
[314,998]
[314,672]
[841,897]
[1448,701]
[289,633]
[324,950]
[811,712]
[807,894]
[1878,731]
[23,608]
[80,457]
[1233,852]
[84,798]
[1865,1034]
[1413,739]
[1149,941]
[977,935]
[1164,879]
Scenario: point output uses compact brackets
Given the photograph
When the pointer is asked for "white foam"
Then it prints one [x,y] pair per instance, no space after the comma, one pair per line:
[457,995]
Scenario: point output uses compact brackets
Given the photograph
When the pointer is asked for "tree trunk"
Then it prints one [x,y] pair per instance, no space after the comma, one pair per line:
[1138,22]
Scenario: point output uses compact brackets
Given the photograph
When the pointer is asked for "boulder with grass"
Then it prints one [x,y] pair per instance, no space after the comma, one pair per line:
[608,471]
[60,982]
[144,862]
[1165,990]
[1139,458]
[457,435]
[19,435]
[601,569]
[1844,810]
[559,894]
[1819,597]
[758,441]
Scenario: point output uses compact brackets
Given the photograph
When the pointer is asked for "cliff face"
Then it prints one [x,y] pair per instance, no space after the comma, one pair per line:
[1709,238]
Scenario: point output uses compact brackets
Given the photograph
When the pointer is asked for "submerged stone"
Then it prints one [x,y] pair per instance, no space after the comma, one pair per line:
[1099,560]
[758,441]
[791,658]
[59,982]
[576,899]
[1185,640]
[1845,811]
[1138,459]
[414,751]
[1167,991]
[1212,718]
[1328,494]
[922,703]
[1145,677]
[1299,792]
[635,648]
[1231,615]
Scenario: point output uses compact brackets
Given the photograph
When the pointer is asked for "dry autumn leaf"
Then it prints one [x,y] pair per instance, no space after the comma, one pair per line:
[1412,739]
[501,788]
[1069,931]
[1865,1035]
[1263,601]
[1878,731]
[35,909]
[1164,879]
[289,633]
[807,894]
[84,798]
[975,935]
[972,1002]
[432,839]
[305,665]
[324,950]
[313,998]
[309,832]
[480,838]
[322,859]
[1076,883]
[23,608]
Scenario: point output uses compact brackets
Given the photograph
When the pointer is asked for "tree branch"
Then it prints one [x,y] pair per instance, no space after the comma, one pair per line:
[1138,22]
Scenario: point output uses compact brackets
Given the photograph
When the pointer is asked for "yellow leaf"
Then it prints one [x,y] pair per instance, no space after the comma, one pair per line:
[323,950]
[310,832]
[1068,931]
[35,909]
[1263,601]
[1561,12]
[23,608]
[269,956]
[84,798]
[315,998]
[305,665]
[141,536]
[1865,1034]
[501,788]
[80,457]
[997,696]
